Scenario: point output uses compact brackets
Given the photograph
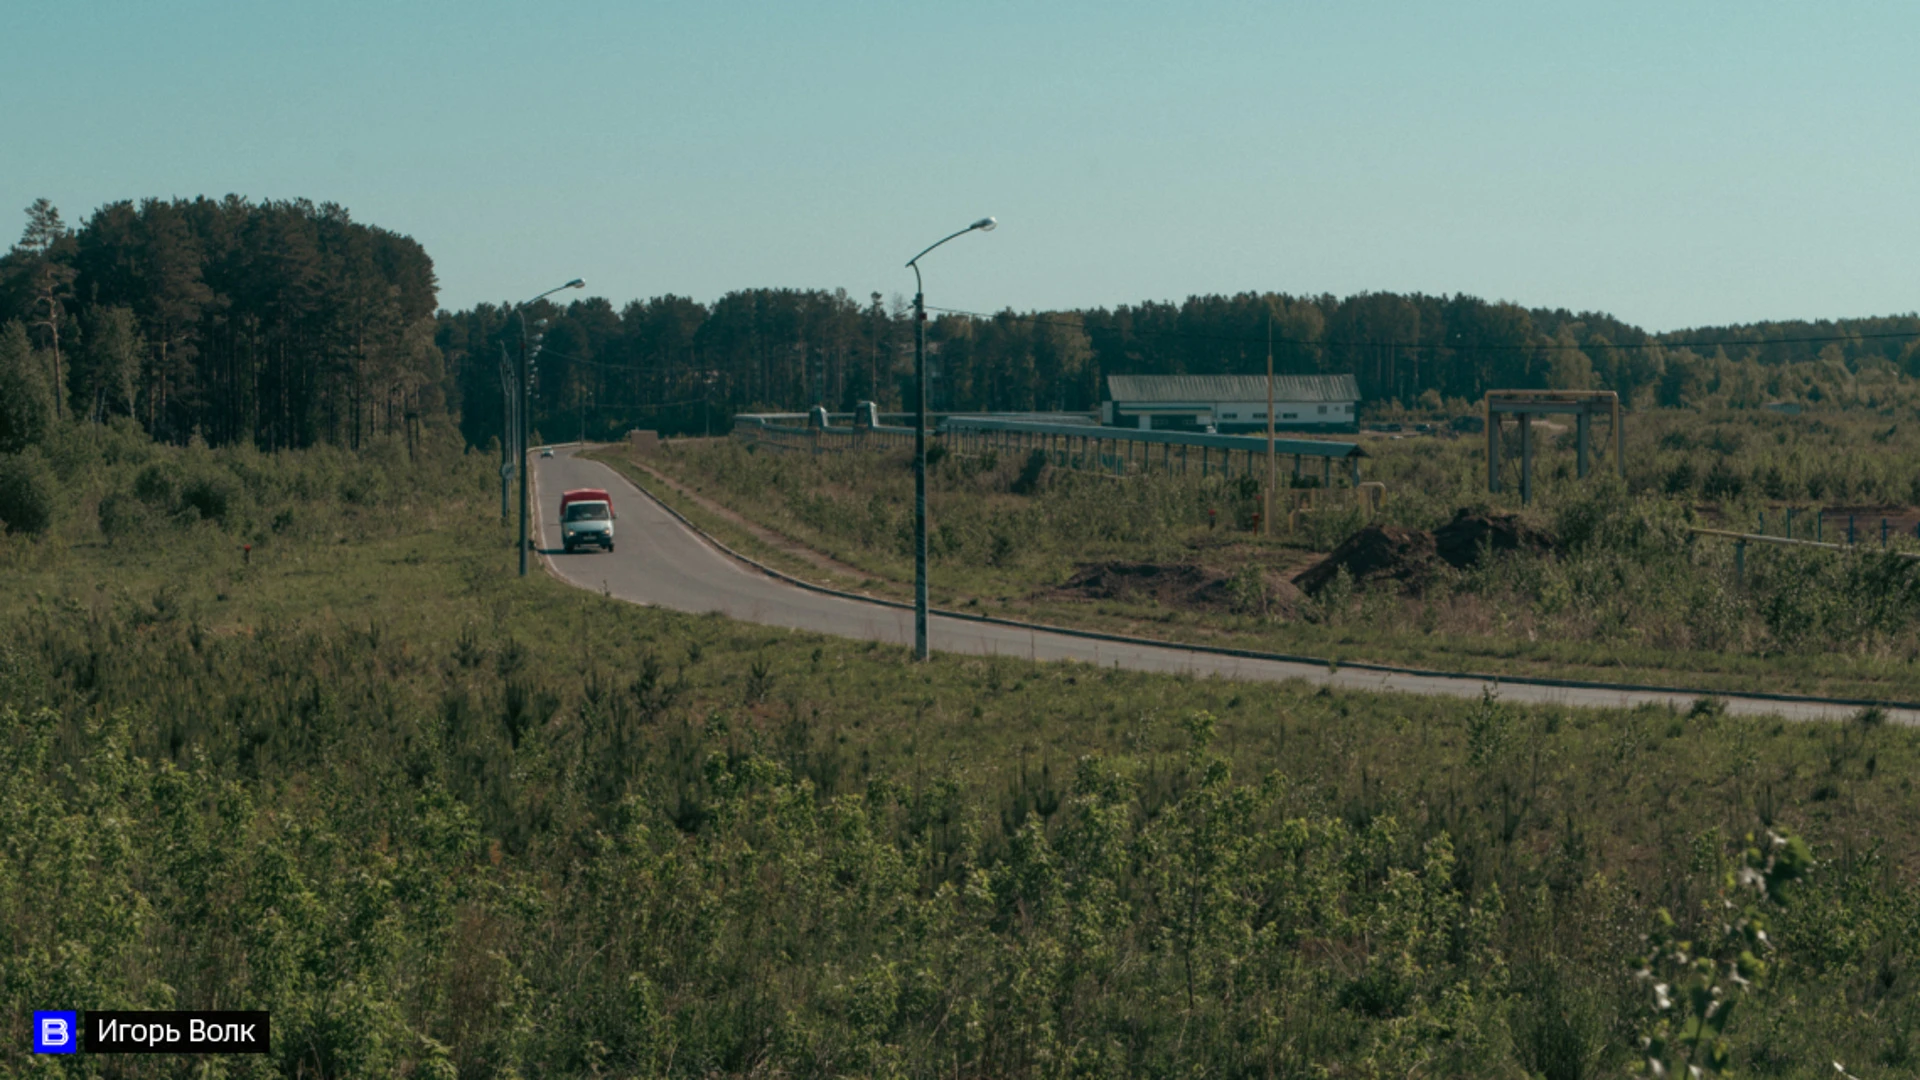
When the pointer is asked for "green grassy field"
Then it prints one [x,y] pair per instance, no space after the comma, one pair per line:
[443,821]
[1630,596]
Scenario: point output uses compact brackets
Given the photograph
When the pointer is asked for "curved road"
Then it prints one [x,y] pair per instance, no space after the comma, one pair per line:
[659,561]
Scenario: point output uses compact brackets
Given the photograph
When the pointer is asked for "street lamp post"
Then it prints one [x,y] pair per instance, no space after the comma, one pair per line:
[526,410]
[509,431]
[985,224]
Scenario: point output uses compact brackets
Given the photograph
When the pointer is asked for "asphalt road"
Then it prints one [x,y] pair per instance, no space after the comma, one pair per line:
[659,561]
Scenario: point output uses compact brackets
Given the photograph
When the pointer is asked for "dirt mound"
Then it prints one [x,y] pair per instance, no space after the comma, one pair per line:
[1375,553]
[1410,557]
[1176,585]
[1138,581]
[1461,540]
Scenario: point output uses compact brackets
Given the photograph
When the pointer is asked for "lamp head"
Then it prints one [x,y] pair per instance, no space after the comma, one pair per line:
[576,283]
[985,224]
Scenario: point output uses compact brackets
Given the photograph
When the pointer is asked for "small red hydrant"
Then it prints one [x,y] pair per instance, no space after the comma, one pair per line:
[246,554]
[1212,515]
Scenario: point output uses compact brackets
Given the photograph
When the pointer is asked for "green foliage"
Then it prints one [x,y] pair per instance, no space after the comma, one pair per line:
[1031,474]
[1630,593]
[1459,348]
[441,821]
[27,493]
[26,404]
[1697,985]
[268,323]
[106,368]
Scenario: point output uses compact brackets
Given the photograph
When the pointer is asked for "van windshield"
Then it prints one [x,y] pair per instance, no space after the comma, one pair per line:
[591,511]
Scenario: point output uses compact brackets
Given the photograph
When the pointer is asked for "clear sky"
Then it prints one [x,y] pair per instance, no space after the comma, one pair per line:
[1675,163]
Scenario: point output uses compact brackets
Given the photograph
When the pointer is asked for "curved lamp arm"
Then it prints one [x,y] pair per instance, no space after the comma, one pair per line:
[576,283]
[985,224]
[519,309]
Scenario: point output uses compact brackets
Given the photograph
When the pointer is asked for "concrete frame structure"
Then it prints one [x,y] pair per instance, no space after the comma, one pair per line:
[1527,404]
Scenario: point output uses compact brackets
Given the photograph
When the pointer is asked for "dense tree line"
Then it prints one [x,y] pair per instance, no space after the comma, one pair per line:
[288,324]
[679,365]
[673,363]
[277,323]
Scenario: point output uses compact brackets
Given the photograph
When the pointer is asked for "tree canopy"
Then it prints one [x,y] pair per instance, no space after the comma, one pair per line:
[281,323]
[679,365]
[287,323]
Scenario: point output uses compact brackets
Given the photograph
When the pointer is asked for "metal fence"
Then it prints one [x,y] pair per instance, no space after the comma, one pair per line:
[1086,446]
[1126,451]
[1853,541]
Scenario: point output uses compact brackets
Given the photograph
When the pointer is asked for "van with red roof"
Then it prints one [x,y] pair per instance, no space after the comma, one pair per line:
[586,518]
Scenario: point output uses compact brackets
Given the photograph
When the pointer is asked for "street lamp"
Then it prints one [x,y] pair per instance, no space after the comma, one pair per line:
[526,409]
[985,224]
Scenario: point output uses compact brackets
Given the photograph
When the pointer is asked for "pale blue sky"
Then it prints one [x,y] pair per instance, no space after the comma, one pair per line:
[1677,164]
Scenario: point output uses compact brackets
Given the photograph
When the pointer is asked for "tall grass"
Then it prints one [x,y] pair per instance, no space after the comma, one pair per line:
[444,822]
[1629,588]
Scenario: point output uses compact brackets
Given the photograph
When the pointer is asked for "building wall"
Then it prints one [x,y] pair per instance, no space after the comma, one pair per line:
[1333,413]
[1235,416]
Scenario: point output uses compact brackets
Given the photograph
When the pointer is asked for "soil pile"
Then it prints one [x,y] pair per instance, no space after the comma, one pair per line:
[1461,541]
[1183,586]
[1411,557]
[1374,554]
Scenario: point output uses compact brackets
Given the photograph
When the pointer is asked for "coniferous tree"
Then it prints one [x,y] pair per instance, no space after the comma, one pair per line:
[42,263]
[279,323]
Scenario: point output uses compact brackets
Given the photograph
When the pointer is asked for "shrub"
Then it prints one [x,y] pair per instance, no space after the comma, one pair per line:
[364,485]
[1722,482]
[158,485]
[1031,474]
[26,493]
[212,494]
[123,515]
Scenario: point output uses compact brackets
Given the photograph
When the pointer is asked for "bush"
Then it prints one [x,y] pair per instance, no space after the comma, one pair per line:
[1032,474]
[27,493]
[1723,483]
[364,485]
[123,515]
[211,494]
[158,485]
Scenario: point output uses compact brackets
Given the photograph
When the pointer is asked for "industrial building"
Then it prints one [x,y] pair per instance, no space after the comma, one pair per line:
[1231,403]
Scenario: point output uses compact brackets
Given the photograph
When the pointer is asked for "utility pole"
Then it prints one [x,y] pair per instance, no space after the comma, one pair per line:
[525,401]
[525,407]
[509,431]
[1266,515]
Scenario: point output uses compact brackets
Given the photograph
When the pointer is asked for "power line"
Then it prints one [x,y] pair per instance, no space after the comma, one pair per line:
[565,358]
[1549,346]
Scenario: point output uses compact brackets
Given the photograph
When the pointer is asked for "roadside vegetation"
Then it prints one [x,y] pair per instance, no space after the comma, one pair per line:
[1615,587]
[299,740]
[282,730]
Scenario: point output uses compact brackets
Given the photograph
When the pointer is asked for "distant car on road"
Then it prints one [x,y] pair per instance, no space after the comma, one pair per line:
[546,453]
